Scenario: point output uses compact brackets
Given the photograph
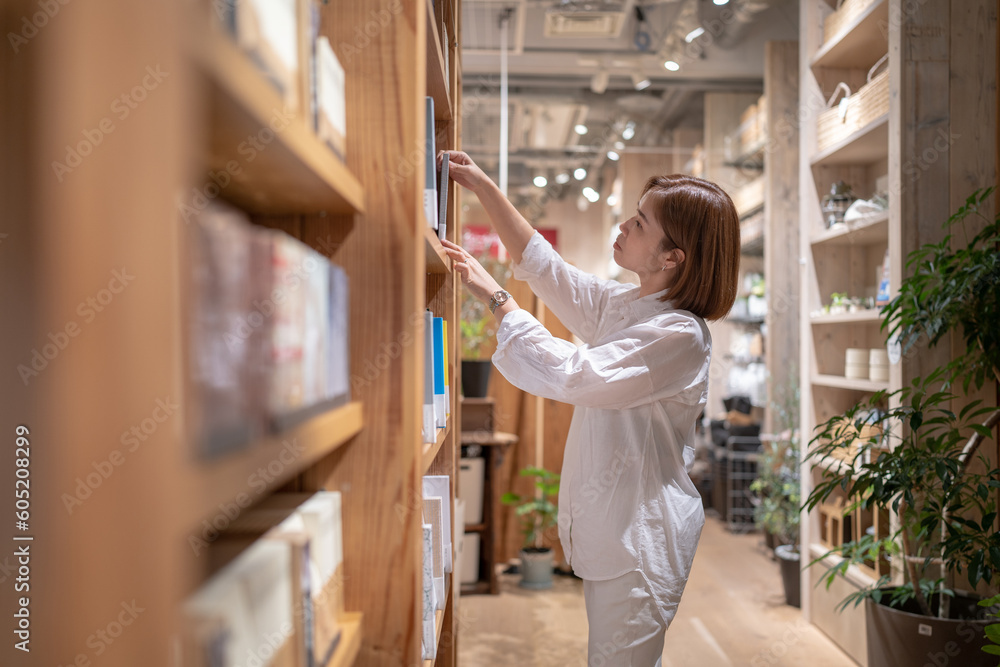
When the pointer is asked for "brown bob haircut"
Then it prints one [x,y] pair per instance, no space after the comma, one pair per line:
[698,217]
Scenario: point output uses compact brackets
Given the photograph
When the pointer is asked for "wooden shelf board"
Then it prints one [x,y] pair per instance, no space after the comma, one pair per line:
[477,588]
[295,172]
[475,527]
[437,260]
[430,450]
[350,641]
[752,158]
[867,231]
[218,482]
[859,44]
[867,145]
[867,315]
[487,438]
[839,382]
[439,621]
[437,84]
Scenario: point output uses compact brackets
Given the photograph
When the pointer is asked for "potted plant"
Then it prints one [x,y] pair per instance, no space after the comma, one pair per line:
[478,328]
[538,513]
[778,505]
[922,463]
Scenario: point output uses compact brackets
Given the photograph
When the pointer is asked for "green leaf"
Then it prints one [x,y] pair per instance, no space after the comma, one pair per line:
[992,649]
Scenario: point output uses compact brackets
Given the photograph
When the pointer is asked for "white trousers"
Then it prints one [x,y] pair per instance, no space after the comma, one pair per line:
[626,629]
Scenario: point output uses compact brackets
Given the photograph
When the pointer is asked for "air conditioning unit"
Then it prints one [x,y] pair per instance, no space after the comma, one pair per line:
[585,20]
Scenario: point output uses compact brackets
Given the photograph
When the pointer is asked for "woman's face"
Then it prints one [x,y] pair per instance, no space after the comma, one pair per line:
[638,247]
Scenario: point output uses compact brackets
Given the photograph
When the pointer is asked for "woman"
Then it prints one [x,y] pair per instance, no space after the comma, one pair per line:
[629,515]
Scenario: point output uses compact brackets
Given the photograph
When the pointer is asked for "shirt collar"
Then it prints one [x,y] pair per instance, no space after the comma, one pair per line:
[641,308]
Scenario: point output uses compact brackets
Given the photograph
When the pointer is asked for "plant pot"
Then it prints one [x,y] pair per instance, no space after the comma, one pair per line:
[476,377]
[770,540]
[788,559]
[900,637]
[536,568]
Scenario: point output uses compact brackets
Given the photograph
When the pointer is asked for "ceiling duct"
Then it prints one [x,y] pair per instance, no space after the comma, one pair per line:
[727,23]
[585,20]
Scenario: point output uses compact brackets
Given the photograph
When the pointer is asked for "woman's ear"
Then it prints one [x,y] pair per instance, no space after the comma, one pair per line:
[672,258]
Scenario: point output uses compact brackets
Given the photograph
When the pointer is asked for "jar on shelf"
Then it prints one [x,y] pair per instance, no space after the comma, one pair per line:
[836,203]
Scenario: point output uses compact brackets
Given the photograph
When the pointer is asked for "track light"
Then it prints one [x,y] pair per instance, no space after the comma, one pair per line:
[599,82]
[580,129]
[613,156]
[562,178]
[694,34]
[672,65]
[579,173]
[540,181]
[640,82]
[629,131]
[591,194]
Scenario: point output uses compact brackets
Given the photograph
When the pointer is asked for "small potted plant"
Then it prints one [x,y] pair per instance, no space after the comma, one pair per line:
[921,462]
[778,505]
[478,328]
[538,513]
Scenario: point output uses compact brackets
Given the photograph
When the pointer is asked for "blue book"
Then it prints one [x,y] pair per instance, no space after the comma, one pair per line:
[440,405]
[429,422]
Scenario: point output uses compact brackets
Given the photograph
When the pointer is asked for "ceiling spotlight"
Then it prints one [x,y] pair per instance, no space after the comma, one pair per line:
[671,65]
[591,194]
[613,155]
[619,146]
[629,131]
[612,199]
[580,129]
[640,82]
[579,173]
[694,34]
[540,181]
[562,178]
[721,2]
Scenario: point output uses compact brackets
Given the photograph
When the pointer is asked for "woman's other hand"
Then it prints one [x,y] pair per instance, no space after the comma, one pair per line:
[477,279]
[464,171]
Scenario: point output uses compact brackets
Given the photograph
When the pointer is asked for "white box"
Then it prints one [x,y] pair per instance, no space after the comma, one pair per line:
[470,558]
[471,477]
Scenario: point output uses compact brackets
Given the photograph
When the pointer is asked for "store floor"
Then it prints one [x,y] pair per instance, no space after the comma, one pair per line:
[732,614]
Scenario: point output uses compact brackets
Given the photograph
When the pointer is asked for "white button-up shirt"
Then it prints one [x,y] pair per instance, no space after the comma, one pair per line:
[639,382]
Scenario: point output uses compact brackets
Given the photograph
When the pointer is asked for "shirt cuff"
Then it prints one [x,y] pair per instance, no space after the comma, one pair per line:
[535,258]
[513,324]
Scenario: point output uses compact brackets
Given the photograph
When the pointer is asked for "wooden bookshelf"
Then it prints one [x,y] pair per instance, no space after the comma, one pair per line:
[922,194]
[436,259]
[869,230]
[120,209]
[296,172]
[868,144]
[350,641]
[430,449]
[860,43]
[209,484]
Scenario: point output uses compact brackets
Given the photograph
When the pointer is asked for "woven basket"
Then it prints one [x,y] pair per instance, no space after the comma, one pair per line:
[847,11]
[861,108]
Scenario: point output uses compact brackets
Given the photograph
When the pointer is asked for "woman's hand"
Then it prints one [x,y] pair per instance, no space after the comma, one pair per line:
[477,279]
[464,171]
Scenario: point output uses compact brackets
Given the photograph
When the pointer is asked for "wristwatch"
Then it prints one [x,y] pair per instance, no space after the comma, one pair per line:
[499,298]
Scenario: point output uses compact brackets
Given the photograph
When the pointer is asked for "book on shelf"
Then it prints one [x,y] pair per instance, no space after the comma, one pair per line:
[267,30]
[267,338]
[221,363]
[440,403]
[447,386]
[439,486]
[430,168]
[246,609]
[443,197]
[433,515]
[428,636]
[315,521]
[429,421]
[331,98]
